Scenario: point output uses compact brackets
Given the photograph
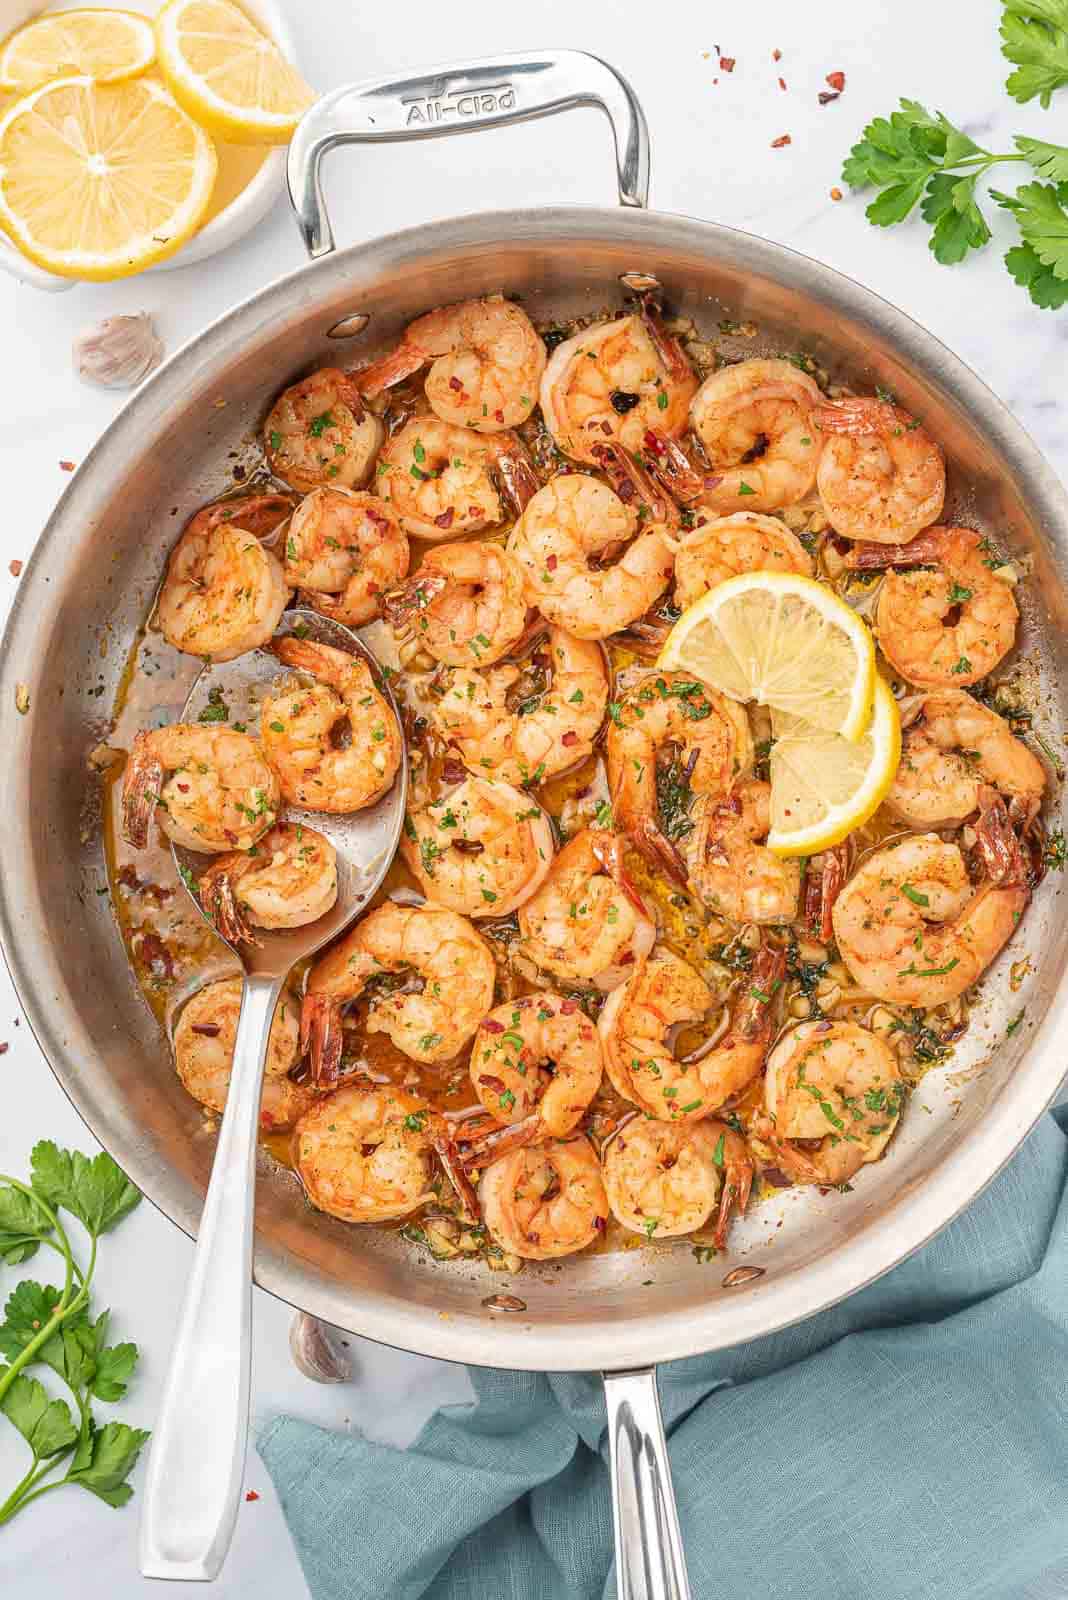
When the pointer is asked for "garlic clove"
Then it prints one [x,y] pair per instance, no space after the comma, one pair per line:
[118,352]
[320,1351]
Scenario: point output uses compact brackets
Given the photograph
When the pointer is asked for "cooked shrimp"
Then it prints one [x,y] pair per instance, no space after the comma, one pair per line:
[833,1096]
[587,923]
[745,542]
[481,849]
[952,745]
[566,525]
[638,1019]
[545,1200]
[536,1064]
[320,432]
[204,1051]
[615,381]
[949,626]
[755,422]
[224,591]
[440,479]
[730,867]
[220,793]
[367,1155]
[664,1178]
[465,604]
[881,476]
[913,929]
[287,879]
[343,550]
[439,947]
[487,363]
[297,725]
[549,730]
[672,710]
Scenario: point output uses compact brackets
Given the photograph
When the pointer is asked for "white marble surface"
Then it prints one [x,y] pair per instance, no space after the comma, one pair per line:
[712,157]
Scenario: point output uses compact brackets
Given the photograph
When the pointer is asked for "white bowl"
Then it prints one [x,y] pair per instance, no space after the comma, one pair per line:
[244,211]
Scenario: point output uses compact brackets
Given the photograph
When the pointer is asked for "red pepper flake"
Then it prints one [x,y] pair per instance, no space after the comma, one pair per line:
[3,1049]
[550,562]
[445,519]
[836,80]
[568,1007]
[777,144]
[454,383]
[474,511]
[836,194]
[210,1030]
[727,63]
[183,788]
[252,1495]
[453,771]
[498,415]
[626,958]
[782,83]
[14,567]
[825,99]
[776,55]
[570,737]
[491,1025]
[66,466]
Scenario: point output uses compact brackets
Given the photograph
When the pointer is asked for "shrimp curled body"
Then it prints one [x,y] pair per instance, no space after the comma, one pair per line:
[320,432]
[366,1155]
[287,879]
[729,546]
[538,1057]
[881,476]
[297,725]
[439,947]
[212,788]
[586,924]
[952,745]
[546,1200]
[343,550]
[754,420]
[224,591]
[663,1179]
[482,849]
[465,604]
[204,1041]
[952,623]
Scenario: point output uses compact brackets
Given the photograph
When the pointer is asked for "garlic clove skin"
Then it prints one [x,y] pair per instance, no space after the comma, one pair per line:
[320,1351]
[117,352]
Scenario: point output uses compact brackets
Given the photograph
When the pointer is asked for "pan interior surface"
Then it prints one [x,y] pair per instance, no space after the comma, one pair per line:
[187,437]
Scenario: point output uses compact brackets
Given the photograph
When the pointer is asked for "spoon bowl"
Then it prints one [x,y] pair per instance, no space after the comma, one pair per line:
[197,1461]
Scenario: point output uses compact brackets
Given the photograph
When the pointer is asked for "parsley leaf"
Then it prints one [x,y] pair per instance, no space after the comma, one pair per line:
[45,1424]
[96,1191]
[1034,36]
[23,1224]
[1041,212]
[112,1456]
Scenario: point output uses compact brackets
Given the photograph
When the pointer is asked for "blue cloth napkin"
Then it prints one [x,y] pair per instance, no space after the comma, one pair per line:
[911,1444]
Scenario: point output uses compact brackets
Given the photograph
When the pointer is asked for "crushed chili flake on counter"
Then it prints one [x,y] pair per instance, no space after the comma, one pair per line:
[836,80]
[66,466]
[252,1495]
[836,194]
[782,83]
[825,98]
[777,144]
[727,63]
[15,568]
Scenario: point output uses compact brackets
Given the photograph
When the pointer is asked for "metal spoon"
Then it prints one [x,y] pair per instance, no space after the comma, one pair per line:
[198,1451]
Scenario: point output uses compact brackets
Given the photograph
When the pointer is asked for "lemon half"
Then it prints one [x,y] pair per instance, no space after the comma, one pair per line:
[784,641]
[824,786]
[102,180]
[228,74]
[107,45]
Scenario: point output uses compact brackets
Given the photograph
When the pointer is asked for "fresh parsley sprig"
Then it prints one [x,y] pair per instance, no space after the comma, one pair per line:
[1034,35]
[54,1328]
[914,157]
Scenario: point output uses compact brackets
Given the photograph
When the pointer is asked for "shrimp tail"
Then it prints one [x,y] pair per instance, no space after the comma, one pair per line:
[635,485]
[141,788]
[668,348]
[390,370]
[490,1145]
[822,889]
[765,980]
[518,478]
[858,416]
[452,1162]
[925,550]
[997,844]
[321,1037]
[413,596]
[737,1184]
[608,853]
[261,515]
[660,853]
[220,903]
[321,661]
[672,467]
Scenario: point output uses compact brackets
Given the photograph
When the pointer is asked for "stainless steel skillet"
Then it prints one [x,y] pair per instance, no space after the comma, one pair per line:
[90,584]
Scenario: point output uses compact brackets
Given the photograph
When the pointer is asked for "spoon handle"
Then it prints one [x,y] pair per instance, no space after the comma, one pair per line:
[197,1461]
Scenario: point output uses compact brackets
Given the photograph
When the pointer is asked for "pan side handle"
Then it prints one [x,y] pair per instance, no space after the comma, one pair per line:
[463,97]
[650,1561]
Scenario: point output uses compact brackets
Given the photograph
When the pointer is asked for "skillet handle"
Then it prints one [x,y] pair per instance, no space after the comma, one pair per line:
[650,1560]
[463,97]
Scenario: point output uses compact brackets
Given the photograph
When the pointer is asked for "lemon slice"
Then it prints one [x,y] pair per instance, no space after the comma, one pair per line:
[107,45]
[228,73]
[824,786]
[101,180]
[784,641]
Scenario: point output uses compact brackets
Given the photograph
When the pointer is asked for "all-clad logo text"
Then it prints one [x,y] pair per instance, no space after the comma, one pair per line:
[461,103]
